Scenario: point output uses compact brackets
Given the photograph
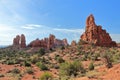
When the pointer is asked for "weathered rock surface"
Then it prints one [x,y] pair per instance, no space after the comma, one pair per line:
[16,40]
[19,41]
[95,34]
[73,43]
[48,43]
[23,41]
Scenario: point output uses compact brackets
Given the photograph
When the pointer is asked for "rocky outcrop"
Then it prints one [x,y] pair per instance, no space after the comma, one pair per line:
[48,43]
[16,40]
[73,43]
[65,42]
[51,41]
[19,41]
[59,42]
[23,41]
[96,35]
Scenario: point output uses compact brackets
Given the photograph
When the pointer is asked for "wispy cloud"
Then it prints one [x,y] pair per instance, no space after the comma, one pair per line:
[32,26]
[70,30]
[33,31]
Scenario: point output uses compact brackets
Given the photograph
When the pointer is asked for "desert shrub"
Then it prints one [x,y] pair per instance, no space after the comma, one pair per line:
[108,59]
[56,66]
[42,51]
[34,59]
[56,56]
[1,75]
[10,62]
[27,64]
[41,66]
[60,60]
[84,57]
[62,48]
[71,68]
[46,76]
[43,59]
[94,56]
[15,70]
[116,57]
[29,70]
[91,66]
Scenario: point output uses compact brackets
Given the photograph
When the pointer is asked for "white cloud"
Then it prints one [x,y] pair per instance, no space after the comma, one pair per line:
[8,32]
[70,30]
[32,26]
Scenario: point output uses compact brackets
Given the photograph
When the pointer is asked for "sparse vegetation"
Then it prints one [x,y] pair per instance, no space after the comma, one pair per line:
[108,59]
[71,68]
[68,61]
[91,66]
[42,66]
[15,71]
[29,70]
[46,76]
[27,64]
[42,51]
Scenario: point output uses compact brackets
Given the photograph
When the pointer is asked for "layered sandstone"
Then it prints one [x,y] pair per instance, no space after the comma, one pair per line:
[96,35]
[48,43]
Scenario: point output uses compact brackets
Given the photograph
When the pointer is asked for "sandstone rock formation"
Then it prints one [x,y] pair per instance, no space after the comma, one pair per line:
[19,41]
[51,41]
[65,42]
[16,40]
[96,35]
[73,43]
[23,41]
[48,43]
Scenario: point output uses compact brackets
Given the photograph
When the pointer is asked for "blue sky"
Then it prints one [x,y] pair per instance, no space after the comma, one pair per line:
[63,18]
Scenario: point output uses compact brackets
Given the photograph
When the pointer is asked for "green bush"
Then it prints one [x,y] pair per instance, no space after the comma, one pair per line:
[62,48]
[34,59]
[108,59]
[71,68]
[91,66]
[10,62]
[60,60]
[116,57]
[29,70]
[46,76]
[15,70]
[27,64]
[41,66]
[42,51]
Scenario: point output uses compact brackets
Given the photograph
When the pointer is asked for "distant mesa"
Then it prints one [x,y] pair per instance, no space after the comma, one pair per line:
[46,43]
[96,35]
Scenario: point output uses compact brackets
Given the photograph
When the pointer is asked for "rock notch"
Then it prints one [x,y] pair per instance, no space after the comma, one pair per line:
[96,35]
